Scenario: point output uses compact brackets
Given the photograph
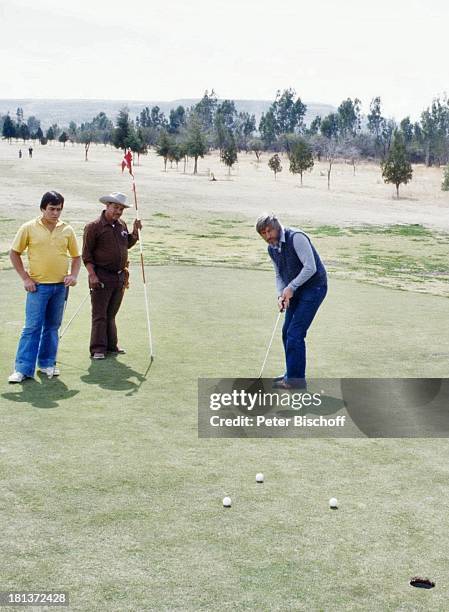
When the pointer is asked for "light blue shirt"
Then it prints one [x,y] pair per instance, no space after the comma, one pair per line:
[304,252]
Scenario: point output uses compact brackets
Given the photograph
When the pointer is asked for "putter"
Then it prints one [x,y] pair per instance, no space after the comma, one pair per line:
[271,342]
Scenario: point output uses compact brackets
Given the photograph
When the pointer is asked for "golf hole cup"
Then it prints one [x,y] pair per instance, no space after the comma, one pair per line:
[227,502]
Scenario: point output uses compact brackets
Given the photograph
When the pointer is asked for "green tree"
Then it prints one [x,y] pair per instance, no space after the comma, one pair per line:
[288,112]
[33,124]
[244,129]
[164,147]
[301,157]
[229,152]
[9,128]
[330,125]
[349,122]
[257,146]
[158,119]
[267,129]
[315,125]
[375,120]
[205,110]
[196,145]
[396,168]
[123,130]
[86,136]
[275,165]
[73,131]
[63,138]
[19,115]
[24,132]
[50,135]
[406,128]
[177,119]
[137,144]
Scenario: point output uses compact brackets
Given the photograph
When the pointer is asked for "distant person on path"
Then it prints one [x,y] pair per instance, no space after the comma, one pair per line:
[50,243]
[301,284]
[20,153]
[105,255]
[30,151]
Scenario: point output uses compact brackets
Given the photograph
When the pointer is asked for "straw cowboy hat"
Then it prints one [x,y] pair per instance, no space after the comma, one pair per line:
[115,198]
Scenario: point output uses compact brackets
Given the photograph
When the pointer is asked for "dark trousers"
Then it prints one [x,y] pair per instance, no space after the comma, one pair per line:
[105,305]
[298,318]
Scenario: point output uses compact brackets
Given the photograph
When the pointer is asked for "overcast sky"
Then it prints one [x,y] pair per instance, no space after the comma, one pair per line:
[146,50]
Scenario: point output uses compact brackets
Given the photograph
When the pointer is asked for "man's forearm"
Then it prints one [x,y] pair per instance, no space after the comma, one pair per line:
[75,267]
[17,263]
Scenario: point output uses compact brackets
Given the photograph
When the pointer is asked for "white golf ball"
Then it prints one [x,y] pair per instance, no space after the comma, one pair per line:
[227,502]
[260,477]
[333,503]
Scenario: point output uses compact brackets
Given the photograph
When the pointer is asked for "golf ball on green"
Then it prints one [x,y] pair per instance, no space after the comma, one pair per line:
[260,477]
[227,502]
[333,503]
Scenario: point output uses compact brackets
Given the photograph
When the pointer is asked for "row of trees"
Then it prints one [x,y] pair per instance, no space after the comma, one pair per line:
[347,130]
[214,124]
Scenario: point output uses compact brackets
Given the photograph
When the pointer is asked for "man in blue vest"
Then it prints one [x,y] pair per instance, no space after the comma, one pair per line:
[301,284]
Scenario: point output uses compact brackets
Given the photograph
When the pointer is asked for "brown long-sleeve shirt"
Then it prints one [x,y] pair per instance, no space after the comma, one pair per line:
[105,245]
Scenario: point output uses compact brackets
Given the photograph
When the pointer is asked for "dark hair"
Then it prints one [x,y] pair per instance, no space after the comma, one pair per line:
[52,197]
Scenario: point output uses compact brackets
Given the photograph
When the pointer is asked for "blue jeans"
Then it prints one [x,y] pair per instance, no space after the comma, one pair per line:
[298,318]
[43,316]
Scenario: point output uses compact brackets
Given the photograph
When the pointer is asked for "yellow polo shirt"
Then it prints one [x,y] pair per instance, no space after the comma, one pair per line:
[48,252]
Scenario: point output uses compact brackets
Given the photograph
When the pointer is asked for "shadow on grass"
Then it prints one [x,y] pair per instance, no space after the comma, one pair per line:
[114,375]
[41,393]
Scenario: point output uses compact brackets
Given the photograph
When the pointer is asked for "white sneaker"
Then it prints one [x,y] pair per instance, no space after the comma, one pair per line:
[50,371]
[16,377]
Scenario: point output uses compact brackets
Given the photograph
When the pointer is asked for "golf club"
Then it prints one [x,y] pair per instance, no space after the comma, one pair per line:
[271,342]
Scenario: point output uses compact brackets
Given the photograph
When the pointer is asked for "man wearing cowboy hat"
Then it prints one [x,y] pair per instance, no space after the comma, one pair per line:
[105,255]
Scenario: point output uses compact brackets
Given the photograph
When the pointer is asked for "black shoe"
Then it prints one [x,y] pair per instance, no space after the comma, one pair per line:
[117,351]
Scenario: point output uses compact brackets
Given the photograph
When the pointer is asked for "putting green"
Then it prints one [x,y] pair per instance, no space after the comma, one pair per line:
[108,493]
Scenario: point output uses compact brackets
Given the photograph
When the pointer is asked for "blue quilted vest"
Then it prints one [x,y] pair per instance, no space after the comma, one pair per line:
[289,264]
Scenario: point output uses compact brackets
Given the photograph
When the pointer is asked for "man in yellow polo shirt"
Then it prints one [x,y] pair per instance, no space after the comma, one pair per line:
[49,242]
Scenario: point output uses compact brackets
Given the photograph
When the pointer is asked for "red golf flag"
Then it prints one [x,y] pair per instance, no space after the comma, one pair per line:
[127,162]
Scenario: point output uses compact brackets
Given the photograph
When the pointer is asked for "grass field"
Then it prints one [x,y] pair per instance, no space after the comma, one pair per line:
[107,491]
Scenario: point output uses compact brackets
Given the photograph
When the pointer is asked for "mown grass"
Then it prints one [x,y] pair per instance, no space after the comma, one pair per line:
[108,493]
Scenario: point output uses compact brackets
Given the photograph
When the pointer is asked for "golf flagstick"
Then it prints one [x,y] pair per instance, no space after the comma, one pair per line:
[127,163]
[271,342]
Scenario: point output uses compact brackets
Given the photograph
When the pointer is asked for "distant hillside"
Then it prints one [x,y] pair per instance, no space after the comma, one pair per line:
[64,111]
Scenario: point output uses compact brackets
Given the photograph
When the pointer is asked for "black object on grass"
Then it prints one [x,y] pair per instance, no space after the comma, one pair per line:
[422,583]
